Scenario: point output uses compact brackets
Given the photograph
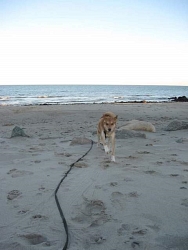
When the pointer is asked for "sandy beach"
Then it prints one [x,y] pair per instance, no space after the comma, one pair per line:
[138,202]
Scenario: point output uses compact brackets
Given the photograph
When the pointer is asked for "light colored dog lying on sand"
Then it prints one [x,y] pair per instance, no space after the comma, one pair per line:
[139,125]
[106,129]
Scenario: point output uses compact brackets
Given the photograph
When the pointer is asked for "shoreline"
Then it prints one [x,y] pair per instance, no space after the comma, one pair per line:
[85,103]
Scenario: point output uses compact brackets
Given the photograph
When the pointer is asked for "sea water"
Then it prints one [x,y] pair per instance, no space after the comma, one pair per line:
[74,94]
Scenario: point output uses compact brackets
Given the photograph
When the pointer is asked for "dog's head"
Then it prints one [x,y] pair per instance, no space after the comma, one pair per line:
[109,122]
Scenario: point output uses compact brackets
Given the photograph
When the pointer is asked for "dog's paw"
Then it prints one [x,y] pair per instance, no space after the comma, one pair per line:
[113,158]
[106,149]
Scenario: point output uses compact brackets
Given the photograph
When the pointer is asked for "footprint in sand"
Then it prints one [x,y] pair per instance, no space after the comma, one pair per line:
[35,239]
[131,157]
[94,239]
[174,175]
[42,188]
[143,152]
[117,195]
[123,229]
[23,211]
[118,200]
[37,161]
[132,235]
[185,202]
[39,216]
[113,184]
[138,231]
[150,172]
[13,194]
[133,195]
[91,212]
[18,173]
[80,165]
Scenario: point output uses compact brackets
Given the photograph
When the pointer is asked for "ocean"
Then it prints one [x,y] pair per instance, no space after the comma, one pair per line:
[18,95]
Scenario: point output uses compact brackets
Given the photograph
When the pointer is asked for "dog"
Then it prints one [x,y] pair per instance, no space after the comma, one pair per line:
[106,129]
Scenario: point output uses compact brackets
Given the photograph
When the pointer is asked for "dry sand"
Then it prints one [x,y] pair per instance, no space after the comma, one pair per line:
[139,202]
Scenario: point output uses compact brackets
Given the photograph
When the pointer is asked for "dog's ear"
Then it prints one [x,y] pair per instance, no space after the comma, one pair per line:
[116,117]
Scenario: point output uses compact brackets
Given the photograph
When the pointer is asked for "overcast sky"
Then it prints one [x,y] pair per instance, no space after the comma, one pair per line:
[94,42]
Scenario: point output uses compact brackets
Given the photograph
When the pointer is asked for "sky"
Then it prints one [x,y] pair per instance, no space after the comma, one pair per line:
[141,42]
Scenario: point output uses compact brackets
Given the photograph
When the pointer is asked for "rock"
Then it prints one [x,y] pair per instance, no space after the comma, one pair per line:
[17,131]
[179,99]
[124,134]
[176,125]
[182,140]
[80,141]
[139,125]
[144,101]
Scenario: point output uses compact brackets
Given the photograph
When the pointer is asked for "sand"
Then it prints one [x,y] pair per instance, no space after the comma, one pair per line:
[138,202]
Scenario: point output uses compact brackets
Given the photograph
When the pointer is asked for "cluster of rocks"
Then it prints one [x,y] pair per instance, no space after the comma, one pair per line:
[179,99]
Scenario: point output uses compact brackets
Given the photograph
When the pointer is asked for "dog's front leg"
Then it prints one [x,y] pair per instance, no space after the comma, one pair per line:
[106,149]
[99,138]
[113,147]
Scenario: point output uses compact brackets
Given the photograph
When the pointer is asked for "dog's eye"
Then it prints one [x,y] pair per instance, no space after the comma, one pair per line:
[112,124]
[107,123]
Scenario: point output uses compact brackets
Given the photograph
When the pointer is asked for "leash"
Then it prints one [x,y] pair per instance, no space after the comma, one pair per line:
[57,201]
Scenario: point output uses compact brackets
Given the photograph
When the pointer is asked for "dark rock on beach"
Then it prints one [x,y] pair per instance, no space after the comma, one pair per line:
[124,134]
[176,125]
[182,140]
[17,131]
[179,99]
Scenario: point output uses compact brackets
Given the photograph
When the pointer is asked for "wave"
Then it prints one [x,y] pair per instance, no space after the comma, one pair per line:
[4,98]
[118,97]
[43,96]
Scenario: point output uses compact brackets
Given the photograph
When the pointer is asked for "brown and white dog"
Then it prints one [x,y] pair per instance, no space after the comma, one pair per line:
[106,129]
